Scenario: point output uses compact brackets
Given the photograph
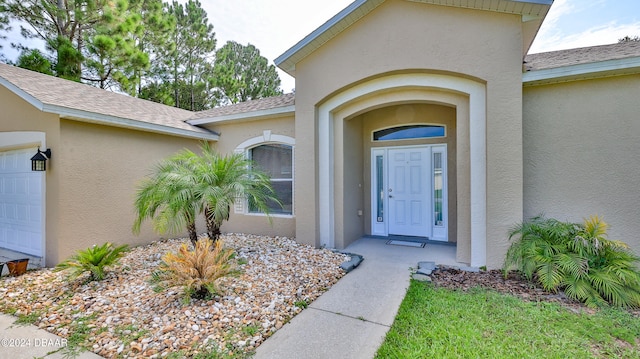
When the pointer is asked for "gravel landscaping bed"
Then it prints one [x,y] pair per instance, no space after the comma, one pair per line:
[123,317]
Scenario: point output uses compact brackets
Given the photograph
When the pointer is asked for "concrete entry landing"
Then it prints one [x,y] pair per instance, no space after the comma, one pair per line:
[352,318]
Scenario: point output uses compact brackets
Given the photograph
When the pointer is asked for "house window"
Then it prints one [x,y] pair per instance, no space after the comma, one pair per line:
[276,160]
[438,185]
[409,132]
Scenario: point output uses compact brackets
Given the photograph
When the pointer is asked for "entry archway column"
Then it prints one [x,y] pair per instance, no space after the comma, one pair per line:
[476,93]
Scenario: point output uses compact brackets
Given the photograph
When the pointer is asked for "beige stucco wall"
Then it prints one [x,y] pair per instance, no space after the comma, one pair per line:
[19,115]
[232,135]
[581,153]
[100,169]
[403,36]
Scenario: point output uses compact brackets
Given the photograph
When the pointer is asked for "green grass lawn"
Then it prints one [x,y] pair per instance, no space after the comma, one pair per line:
[441,323]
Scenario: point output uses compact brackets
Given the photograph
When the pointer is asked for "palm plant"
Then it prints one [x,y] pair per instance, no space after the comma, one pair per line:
[223,180]
[197,270]
[93,260]
[186,185]
[169,198]
[577,258]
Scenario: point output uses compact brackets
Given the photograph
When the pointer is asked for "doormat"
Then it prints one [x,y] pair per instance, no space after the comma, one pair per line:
[405,243]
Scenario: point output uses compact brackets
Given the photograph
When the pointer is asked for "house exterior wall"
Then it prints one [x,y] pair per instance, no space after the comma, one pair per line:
[581,153]
[100,169]
[408,37]
[233,135]
[20,116]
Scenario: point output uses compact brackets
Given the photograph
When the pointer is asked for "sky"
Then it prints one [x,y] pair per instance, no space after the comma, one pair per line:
[273,26]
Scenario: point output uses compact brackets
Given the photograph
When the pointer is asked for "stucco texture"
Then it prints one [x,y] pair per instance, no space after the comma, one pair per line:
[581,153]
[408,37]
[100,169]
[19,116]
[231,136]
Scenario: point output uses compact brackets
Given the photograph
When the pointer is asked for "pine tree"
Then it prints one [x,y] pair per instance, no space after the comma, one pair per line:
[242,74]
[189,62]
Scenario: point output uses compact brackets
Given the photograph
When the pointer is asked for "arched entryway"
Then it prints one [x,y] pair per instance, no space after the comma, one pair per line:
[345,168]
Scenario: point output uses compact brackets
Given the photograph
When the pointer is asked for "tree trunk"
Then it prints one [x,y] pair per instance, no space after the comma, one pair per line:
[193,235]
[213,230]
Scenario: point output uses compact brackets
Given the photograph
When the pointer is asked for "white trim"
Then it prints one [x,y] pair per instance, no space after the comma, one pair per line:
[93,117]
[382,228]
[411,81]
[378,228]
[241,207]
[440,233]
[409,139]
[22,139]
[22,94]
[352,13]
[248,116]
[582,71]
[25,139]
[273,138]
[360,8]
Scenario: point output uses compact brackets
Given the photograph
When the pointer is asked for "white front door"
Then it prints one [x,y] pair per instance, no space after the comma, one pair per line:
[409,194]
[21,203]
[408,191]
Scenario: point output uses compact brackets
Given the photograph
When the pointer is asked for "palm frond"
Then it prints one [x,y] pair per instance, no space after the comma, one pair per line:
[93,260]
[576,258]
[196,271]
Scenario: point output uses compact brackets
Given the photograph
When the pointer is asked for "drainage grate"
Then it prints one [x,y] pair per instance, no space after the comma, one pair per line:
[405,243]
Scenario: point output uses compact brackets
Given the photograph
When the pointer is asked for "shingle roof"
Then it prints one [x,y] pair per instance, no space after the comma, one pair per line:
[63,96]
[584,55]
[262,104]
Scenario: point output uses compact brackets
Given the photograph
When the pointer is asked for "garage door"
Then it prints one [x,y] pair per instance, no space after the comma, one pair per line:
[21,203]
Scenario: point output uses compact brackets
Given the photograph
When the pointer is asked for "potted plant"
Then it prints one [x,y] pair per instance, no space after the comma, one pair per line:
[17,267]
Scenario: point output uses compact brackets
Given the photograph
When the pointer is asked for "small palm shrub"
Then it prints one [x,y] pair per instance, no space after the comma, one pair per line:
[576,258]
[197,270]
[93,260]
[186,185]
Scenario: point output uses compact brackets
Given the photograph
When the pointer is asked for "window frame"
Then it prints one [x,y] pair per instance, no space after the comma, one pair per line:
[272,180]
[242,206]
[444,127]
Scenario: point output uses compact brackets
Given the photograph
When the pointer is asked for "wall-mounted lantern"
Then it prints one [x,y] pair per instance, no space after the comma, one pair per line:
[39,160]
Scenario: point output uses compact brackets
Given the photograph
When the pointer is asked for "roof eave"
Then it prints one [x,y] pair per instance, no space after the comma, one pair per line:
[21,93]
[591,70]
[346,17]
[245,116]
[359,8]
[91,117]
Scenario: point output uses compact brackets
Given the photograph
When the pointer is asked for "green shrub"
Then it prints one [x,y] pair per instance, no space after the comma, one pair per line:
[576,258]
[93,260]
[196,271]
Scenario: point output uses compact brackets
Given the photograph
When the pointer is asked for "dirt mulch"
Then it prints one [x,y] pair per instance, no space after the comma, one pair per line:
[514,284]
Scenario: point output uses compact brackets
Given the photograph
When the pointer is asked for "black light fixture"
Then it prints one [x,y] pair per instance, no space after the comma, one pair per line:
[39,160]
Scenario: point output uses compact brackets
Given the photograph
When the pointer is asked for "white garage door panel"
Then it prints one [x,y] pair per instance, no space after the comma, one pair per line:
[21,200]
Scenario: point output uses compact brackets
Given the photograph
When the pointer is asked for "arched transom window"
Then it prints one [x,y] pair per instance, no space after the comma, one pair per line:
[409,132]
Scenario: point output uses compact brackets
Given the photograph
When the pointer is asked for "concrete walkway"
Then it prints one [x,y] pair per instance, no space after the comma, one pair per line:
[348,321]
[27,342]
[352,318]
